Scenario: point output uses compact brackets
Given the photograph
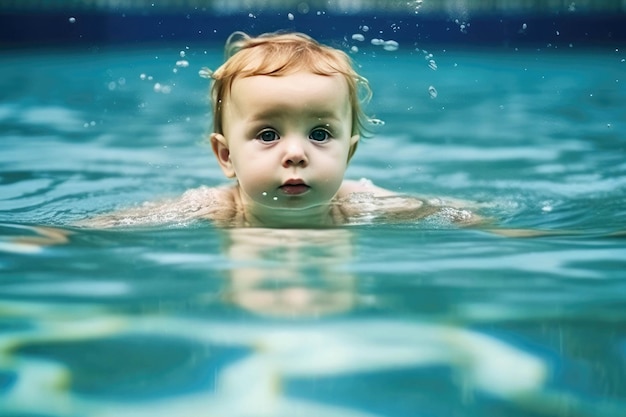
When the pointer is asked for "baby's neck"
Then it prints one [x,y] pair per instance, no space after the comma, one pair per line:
[255,215]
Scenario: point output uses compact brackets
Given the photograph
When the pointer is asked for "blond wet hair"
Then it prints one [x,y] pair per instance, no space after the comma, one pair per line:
[277,54]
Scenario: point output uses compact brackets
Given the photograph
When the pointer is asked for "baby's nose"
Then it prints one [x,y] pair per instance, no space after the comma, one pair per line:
[295,154]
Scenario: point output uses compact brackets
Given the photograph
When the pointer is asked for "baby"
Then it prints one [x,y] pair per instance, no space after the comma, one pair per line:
[287,119]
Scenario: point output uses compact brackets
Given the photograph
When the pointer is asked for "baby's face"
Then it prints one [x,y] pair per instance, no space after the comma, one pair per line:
[288,139]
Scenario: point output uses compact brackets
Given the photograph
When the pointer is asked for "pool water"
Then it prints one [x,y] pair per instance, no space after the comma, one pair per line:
[415,319]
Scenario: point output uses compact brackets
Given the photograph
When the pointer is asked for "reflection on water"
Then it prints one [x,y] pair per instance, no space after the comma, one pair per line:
[290,273]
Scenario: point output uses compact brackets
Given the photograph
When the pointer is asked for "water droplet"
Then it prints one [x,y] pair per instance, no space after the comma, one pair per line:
[358,37]
[72,20]
[205,73]
[391,46]
[290,16]
[432,92]
[275,198]
[264,193]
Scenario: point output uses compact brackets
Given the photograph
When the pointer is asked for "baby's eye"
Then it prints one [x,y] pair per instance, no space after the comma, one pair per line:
[267,136]
[320,135]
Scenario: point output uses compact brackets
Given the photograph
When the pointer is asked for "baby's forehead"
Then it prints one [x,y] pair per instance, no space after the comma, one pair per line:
[300,93]
[302,83]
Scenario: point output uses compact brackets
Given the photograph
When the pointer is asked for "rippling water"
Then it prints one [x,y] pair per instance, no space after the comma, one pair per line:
[371,320]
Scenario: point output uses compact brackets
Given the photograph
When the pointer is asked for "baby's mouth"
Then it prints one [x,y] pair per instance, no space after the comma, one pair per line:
[294,187]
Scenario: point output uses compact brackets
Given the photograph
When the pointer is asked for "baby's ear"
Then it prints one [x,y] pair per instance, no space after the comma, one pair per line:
[221,151]
[354,141]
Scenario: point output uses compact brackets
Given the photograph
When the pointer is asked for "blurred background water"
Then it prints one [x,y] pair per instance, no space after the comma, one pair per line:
[516,105]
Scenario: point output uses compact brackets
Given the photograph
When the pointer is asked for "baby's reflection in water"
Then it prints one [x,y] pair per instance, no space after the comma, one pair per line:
[290,272]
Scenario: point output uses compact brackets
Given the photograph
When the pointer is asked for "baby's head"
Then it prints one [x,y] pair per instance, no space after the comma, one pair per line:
[287,120]
[277,54]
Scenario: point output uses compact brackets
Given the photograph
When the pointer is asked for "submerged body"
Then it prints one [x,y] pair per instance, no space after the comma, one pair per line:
[362,203]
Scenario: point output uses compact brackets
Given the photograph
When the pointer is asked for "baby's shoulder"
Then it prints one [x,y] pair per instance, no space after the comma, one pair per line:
[363,186]
[362,201]
[210,203]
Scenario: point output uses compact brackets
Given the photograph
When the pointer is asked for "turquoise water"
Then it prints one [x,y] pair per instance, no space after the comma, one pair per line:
[419,319]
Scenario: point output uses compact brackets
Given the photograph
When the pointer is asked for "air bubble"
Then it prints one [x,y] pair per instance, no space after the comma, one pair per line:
[205,73]
[358,37]
[72,20]
[432,65]
[275,198]
[432,92]
[354,49]
[391,46]
[376,122]
[182,54]
[161,88]
[143,77]
[183,63]
[377,42]
[290,16]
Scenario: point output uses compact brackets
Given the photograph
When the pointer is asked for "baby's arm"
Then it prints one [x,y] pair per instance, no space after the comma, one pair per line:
[198,203]
[364,200]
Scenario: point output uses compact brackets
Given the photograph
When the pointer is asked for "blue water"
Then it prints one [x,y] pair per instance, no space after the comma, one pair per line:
[416,319]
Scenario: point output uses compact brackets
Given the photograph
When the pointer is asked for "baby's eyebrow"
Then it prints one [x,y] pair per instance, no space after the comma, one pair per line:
[331,115]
